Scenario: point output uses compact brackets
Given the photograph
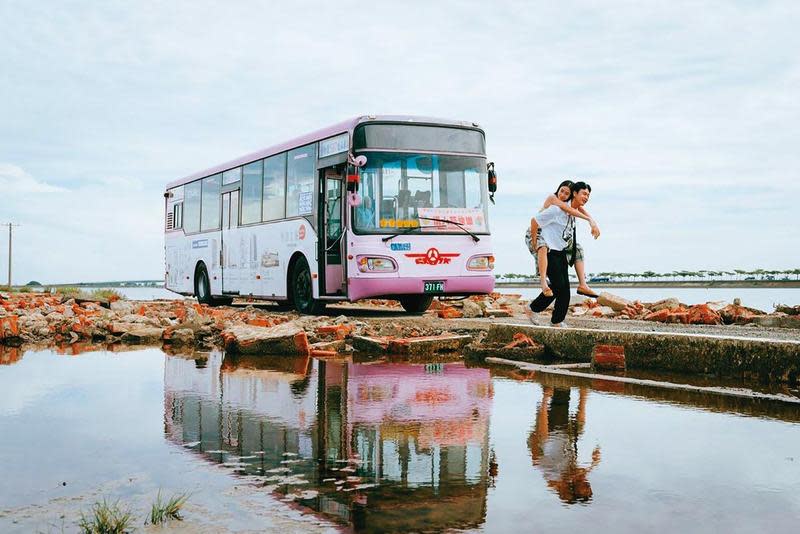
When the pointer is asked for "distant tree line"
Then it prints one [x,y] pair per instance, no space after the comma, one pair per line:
[673,276]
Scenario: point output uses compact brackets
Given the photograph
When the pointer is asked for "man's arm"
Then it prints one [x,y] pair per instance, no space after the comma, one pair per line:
[592,223]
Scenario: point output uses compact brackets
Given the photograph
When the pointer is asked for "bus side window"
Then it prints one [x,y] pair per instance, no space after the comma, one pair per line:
[177,216]
[191,214]
[274,206]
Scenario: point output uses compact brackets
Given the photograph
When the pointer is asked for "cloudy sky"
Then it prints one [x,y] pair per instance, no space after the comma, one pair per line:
[683,116]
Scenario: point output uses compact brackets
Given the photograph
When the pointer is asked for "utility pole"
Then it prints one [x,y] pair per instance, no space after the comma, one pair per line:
[10,227]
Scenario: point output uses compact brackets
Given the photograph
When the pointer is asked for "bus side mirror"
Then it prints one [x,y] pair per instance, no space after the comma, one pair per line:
[492,180]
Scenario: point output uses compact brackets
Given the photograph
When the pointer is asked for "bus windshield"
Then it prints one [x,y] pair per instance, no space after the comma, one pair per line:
[407,190]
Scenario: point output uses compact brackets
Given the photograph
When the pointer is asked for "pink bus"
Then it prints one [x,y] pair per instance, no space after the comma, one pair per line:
[374,207]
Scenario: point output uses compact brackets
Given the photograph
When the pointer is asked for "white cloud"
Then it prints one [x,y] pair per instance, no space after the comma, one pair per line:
[14,180]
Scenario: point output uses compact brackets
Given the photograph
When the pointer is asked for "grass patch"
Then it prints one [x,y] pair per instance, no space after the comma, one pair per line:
[69,292]
[105,518]
[107,294]
[163,511]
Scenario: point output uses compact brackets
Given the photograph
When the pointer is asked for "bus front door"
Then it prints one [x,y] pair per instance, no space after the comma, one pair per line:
[332,228]
[229,259]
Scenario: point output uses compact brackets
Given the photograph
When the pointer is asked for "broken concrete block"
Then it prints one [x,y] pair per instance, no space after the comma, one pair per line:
[180,336]
[602,311]
[143,335]
[415,346]
[497,312]
[472,309]
[613,301]
[371,345]
[665,304]
[286,339]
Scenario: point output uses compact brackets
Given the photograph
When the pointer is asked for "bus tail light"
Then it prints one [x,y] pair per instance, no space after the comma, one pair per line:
[376,264]
[481,263]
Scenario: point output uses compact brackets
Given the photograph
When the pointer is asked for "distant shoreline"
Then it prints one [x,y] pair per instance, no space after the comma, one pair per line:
[766,284]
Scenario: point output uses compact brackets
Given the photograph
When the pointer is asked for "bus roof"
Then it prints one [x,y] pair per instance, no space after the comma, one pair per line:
[318,135]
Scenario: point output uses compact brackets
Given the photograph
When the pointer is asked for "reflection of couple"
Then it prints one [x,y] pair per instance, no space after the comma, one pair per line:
[556,247]
[553,445]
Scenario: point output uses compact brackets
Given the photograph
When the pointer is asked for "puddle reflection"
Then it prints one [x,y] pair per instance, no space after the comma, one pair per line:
[553,444]
[381,446]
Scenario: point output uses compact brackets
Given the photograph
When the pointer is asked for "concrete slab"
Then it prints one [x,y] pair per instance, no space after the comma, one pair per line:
[735,356]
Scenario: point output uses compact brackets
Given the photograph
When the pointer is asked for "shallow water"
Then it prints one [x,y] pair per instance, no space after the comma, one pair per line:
[384,446]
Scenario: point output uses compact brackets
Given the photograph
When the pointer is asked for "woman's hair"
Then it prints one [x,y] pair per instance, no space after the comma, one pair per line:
[567,183]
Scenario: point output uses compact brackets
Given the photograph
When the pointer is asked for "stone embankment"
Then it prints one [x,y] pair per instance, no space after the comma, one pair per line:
[478,327]
[54,319]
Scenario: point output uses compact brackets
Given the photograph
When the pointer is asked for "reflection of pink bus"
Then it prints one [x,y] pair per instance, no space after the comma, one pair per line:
[391,207]
[401,393]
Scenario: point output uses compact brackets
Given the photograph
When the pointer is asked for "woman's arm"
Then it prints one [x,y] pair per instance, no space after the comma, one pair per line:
[568,209]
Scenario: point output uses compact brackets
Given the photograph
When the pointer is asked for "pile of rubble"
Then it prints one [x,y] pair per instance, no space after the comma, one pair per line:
[671,310]
[491,305]
[55,319]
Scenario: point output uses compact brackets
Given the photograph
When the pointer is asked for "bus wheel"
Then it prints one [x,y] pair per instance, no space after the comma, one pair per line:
[416,303]
[302,291]
[202,287]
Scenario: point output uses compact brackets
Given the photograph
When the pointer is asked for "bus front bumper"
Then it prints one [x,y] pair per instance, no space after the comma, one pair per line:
[361,288]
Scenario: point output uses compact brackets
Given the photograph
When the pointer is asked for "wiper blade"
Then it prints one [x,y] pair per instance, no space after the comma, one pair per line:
[474,237]
[406,231]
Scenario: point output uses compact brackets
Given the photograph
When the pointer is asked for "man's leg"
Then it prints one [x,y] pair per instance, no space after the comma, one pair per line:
[558,274]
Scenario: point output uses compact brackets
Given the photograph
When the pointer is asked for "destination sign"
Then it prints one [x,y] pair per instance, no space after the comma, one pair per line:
[334,145]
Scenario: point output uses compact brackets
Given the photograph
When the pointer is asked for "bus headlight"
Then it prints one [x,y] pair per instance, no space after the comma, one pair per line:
[481,263]
[376,264]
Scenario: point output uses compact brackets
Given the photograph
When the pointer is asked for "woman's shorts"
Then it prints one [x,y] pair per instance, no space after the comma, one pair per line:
[540,243]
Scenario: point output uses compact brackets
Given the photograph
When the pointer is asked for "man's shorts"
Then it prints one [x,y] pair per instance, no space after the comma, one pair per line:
[578,253]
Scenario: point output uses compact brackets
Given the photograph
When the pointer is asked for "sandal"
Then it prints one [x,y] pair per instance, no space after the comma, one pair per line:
[589,294]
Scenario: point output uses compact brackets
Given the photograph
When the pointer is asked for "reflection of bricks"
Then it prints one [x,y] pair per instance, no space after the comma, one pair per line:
[323,353]
[608,357]
[610,386]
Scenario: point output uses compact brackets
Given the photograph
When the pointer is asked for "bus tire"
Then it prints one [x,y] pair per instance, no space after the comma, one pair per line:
[302,290]
[202,286]
[416,303]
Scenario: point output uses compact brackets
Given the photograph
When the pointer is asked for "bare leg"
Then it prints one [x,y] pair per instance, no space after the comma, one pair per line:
[541,261]
[579,270]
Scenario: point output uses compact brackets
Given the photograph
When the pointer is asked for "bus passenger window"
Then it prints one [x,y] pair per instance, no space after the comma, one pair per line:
[300,171]
[251,193]
[211,203]
[191,210]
[274,188]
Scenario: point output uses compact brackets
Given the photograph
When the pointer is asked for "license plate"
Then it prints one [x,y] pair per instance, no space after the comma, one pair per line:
[433,287]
